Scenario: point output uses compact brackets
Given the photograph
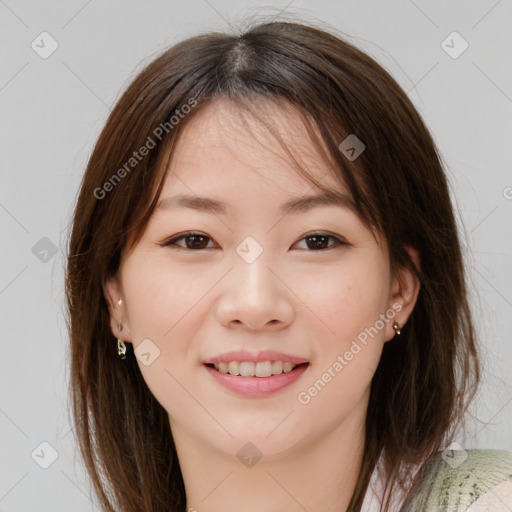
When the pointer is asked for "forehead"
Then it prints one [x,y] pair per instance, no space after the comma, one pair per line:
[266,144]
[237,163]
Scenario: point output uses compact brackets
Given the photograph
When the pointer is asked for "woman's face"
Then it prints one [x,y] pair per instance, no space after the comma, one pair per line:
[254,278]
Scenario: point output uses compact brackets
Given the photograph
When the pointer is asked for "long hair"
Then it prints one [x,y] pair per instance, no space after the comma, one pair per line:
[426,376]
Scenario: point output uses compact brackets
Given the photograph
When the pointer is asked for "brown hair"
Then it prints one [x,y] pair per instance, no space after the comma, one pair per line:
[425,378]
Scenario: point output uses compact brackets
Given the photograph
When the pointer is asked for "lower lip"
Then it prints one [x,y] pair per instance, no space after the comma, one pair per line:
[257,386]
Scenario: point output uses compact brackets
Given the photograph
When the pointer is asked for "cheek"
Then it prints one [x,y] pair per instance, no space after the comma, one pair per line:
[162,297]
[350,336]
[163,306]
[169,304]
[349,342]
[347,301]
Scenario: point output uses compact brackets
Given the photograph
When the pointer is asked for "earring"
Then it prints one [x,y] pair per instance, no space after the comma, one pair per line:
[121,347]
[397,328]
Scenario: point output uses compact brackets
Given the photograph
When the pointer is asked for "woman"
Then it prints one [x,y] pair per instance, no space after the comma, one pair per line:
[266,291]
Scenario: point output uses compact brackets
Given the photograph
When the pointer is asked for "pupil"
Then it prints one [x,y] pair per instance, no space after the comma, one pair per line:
[316,240]
[196,243]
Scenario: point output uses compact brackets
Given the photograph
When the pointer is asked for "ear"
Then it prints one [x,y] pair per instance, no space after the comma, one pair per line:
[405,290]
[117,309]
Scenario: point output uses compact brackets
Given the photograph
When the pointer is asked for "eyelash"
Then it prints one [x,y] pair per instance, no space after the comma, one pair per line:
[172,241]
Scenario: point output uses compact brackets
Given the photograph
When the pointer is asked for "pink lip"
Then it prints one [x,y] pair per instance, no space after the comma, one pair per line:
[256,386]
[260,357]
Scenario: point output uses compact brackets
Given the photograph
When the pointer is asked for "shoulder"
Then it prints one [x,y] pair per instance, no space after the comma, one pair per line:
[463,480]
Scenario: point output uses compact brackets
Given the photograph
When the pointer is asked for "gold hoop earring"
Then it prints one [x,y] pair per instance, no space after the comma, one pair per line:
[397,328]
[121,347]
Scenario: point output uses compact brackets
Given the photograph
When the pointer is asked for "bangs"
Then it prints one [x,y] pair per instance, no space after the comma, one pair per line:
[256,114]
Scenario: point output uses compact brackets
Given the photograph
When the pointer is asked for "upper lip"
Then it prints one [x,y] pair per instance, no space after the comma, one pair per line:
[244,355]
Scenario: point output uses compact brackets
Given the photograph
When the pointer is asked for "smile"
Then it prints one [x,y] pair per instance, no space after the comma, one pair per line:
[256,379]
[251,369]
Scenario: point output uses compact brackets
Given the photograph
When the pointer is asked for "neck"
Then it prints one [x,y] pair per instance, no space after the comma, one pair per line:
[320,475]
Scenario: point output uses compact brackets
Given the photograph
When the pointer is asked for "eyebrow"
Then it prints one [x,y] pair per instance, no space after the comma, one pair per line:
[293,206]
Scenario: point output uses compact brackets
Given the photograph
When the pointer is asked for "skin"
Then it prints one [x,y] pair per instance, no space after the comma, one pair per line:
[312,303]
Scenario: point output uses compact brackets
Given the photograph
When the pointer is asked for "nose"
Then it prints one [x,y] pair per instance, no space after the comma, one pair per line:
[255,297]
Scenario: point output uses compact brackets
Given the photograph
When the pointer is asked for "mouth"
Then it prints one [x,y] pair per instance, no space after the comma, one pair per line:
[263,369]
[255,380]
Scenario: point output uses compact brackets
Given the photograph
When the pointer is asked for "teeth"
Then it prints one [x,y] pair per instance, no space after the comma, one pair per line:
[263,369]
[234,368]
[277,367]
[288,367]
[250,369]
[246,369]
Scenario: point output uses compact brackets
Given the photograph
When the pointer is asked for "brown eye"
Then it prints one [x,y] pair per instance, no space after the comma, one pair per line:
[194,241]
[198,241]
[320,241]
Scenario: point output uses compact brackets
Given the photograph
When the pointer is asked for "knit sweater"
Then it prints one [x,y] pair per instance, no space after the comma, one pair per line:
[454,481]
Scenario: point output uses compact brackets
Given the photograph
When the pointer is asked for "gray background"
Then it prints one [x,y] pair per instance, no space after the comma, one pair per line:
[53,109]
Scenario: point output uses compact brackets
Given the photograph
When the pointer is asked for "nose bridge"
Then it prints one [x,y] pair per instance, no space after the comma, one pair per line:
[254,295]
[251,268]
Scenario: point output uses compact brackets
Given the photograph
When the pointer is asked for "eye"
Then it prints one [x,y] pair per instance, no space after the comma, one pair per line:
[197,241]
[193,241]
[319,241]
